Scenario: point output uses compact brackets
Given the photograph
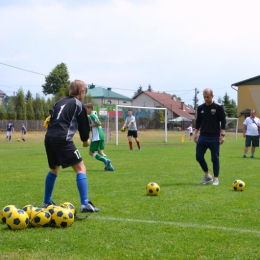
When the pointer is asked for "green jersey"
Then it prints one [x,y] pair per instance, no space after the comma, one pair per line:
[97,132]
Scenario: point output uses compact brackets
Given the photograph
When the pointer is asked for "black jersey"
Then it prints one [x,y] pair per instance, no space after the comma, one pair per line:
[69,115]
[210,119]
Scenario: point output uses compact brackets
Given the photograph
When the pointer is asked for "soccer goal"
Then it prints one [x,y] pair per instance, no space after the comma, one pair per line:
[232,125]
[146,118]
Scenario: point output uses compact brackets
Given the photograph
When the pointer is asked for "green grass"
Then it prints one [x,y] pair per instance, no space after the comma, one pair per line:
[186,220]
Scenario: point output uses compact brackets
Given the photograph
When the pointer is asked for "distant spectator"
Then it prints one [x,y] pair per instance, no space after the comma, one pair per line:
[251,130]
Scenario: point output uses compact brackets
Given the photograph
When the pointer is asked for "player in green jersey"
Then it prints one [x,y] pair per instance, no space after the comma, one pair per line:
[97,142]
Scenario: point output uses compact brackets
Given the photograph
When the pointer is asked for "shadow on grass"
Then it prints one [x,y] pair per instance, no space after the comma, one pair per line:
[181,184]
[242,159]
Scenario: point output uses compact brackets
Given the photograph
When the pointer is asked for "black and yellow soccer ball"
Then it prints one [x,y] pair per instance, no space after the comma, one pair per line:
[123,129]
[238,185]
[152,189]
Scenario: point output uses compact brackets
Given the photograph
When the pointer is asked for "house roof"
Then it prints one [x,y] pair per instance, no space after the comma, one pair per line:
[173,105]
[2,93]
[99,92]
[250,81]
[245,112]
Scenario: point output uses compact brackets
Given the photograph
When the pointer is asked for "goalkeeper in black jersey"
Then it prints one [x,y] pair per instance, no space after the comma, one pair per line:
[69,115]
[210,123]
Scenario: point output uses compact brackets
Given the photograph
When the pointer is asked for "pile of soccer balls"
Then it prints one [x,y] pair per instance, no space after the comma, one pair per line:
[238,185]
[56,216]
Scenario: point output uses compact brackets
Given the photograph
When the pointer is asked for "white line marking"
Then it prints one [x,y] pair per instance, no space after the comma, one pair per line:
[180,224]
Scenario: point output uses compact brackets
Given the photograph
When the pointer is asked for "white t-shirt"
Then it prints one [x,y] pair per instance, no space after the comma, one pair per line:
[132,127]
[251,127]
[189,129]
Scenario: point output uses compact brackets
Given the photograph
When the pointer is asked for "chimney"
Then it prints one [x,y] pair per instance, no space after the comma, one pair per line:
[183,106]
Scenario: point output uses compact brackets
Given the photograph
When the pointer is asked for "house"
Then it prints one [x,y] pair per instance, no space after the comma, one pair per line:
[2,96]
[248,96]
[175,107]
[105,96]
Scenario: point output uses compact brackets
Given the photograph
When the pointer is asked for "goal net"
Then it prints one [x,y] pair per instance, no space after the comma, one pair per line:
[232,125]
[147,118]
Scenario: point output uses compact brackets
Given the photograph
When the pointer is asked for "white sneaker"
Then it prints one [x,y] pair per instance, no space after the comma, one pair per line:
[206,179]
[215,182]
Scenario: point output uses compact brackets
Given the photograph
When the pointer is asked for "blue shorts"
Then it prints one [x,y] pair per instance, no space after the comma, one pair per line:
[252,139]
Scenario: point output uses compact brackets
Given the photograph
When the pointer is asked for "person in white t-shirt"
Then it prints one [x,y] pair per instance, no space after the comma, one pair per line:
[251,130]
[190,131]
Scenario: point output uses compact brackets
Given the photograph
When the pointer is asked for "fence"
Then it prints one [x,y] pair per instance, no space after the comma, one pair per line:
[31,125]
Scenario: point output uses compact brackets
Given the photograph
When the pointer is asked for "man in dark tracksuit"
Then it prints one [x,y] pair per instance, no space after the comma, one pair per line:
[209,134]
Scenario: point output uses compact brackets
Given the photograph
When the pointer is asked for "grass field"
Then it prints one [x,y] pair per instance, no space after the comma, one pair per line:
[186,221]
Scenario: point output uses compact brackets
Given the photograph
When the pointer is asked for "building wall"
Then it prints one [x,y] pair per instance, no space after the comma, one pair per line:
[248,97]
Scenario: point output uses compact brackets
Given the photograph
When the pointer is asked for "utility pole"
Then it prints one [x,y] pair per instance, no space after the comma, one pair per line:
[196,100]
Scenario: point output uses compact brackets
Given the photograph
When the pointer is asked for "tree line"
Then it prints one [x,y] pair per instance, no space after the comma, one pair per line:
[23,106]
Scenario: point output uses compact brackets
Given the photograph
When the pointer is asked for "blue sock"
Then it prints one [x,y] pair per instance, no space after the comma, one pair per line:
[82,185]
[49,185]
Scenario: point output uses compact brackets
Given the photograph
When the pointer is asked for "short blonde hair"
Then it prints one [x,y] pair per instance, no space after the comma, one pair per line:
[76,86]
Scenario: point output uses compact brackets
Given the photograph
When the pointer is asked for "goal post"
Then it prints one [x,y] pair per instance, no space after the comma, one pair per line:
[150,108]
[232,122]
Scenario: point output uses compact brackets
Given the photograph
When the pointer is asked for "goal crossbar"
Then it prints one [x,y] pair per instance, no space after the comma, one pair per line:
[152,108]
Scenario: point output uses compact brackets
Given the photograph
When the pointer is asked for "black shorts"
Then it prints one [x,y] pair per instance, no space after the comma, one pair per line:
[191,134]
[252,139]
[132,133]
[65,154]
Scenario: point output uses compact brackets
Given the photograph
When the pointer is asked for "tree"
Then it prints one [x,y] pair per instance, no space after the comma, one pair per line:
[62,93]
[29,110]
[233,108]
[149,88]
[11,114]
[57,79]
[230,106]
[19,104]
[139,90]
[38,108]
[89,99]
[28,96]
[175,96]
[3,114]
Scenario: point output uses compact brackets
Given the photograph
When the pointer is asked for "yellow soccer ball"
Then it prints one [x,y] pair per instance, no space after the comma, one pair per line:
[29,208]
[238,185]
[62,218]
[6,210]
[17,219]
[40,217]
[69,206]
[18,140]
[152,189]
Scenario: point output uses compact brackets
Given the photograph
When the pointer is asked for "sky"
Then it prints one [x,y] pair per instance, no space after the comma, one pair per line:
[174,46]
